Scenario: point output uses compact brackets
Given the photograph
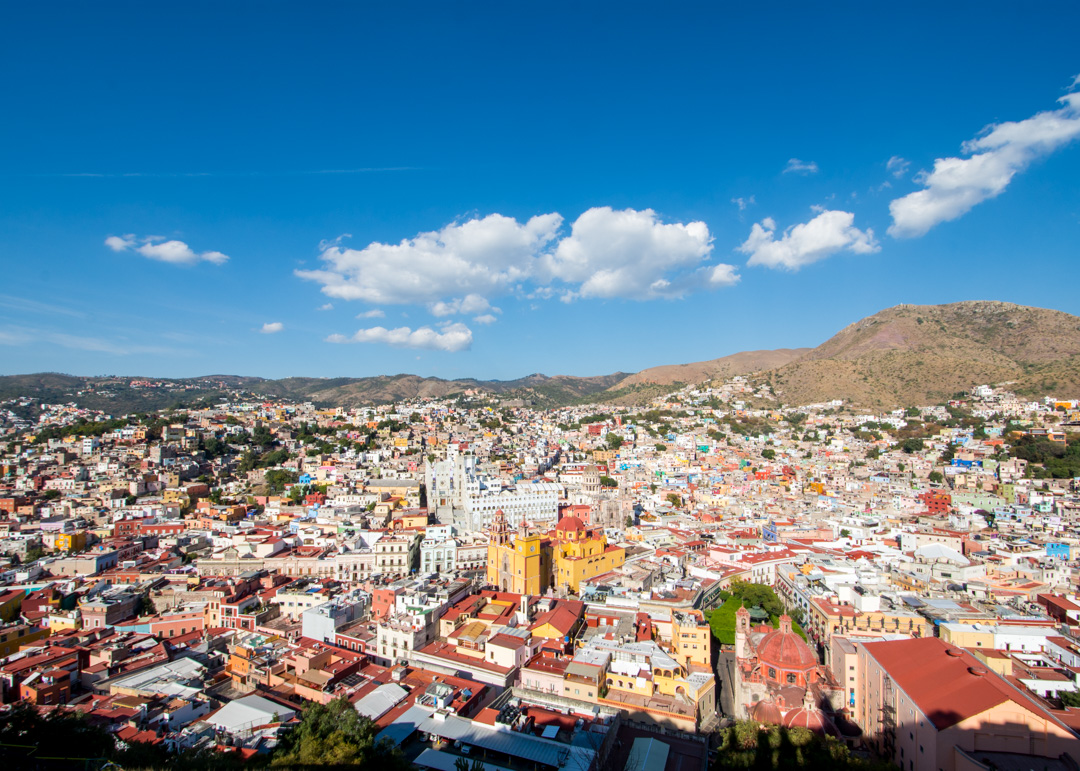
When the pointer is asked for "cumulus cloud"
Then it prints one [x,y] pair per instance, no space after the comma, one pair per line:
[826,234]
[471,303]
[742,203]
[460,269]
[487,318]
[897,166]
[480,256]
[628,254]
[795,166]
[374,313]
[272,327]
[721,275]
[957,185]
[452,337]
[325,307]
[164,250]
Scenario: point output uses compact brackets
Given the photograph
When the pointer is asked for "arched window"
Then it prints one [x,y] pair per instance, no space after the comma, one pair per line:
[772,672]
[791,679]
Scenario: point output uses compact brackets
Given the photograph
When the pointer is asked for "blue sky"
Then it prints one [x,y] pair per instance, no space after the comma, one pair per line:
[491,190]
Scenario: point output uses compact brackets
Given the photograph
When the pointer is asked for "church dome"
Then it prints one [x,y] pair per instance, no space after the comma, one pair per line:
[766,712]
[783,649]
[570,524]
[806,717]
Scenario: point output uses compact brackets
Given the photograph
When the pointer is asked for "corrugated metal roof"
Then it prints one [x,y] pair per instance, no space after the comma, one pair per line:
[518,745]
[381,700]
[406,724]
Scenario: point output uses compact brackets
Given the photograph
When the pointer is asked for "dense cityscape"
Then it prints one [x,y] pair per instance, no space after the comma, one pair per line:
[487,386]
[583,587]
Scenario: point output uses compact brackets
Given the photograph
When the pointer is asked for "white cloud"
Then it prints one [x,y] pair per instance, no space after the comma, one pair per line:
[795,166]
[453,337]
[487,318]
[956,185]
[325,307]
[826,234]
[374,313]
[897,166]
[272,327]
[164,250]
[742,203]
[329,243]
[120,243]
[721,275]
[481,256]
[628,254]
[471,303]
[459,269]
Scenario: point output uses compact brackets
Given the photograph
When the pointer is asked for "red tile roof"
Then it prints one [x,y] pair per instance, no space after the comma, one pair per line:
[947,683]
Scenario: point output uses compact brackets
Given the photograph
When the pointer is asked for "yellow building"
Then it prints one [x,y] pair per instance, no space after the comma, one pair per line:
[578,554]
[691,637]
[521,564]
[14,637]
[61,621]
[72,542]
[968,635]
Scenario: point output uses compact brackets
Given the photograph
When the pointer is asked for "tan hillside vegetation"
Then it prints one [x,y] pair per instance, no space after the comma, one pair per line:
[922,354]
[716,369]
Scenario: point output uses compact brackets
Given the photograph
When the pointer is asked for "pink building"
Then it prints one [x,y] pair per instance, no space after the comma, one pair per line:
[928,705]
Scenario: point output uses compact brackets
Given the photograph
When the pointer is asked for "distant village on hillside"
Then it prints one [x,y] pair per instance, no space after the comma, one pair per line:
[479,583]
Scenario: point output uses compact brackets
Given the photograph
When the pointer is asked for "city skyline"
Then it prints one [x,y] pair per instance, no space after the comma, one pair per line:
[350,192]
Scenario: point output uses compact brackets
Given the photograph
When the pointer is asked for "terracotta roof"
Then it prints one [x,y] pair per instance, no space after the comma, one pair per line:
[570,523]
[947,683]
[786,650]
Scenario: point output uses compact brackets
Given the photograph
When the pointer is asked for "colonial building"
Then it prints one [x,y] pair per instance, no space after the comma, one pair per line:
[778,679]
[580,553]
[520,564]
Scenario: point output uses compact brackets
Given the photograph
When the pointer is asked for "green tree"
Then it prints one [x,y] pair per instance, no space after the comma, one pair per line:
[768,453]
[629,520]
[913,444]
[674,499]
[145,607]
[336,734]
[614,441]
[936,477]
[606,481]
[247,462]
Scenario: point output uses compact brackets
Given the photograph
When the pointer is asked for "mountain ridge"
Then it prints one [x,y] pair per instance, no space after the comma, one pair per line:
[900,356]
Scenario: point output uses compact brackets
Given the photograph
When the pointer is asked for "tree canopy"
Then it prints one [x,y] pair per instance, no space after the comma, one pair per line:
[336,734]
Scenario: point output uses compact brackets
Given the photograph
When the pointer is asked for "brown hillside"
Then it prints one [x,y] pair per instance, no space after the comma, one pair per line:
[729,366]
[915,354]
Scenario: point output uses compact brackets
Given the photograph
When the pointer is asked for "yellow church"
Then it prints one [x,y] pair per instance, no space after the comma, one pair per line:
[579,554]
[529,563]
[521,564]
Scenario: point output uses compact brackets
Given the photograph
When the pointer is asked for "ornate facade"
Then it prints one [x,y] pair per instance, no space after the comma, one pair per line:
[778,678]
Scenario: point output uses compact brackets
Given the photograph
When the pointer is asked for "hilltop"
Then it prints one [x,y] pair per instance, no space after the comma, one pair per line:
[922,354]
